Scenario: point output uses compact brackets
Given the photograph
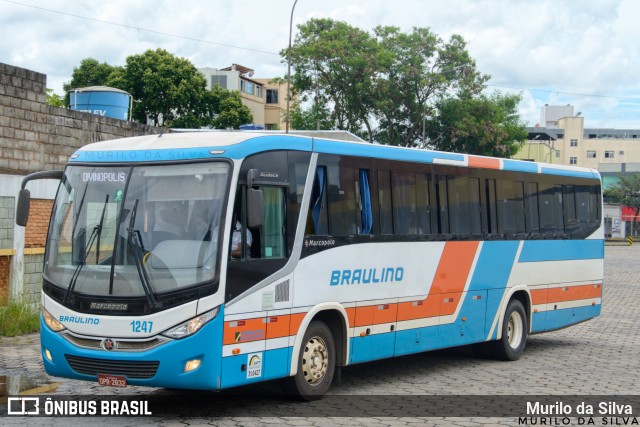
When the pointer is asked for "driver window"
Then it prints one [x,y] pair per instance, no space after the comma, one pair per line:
[267,241]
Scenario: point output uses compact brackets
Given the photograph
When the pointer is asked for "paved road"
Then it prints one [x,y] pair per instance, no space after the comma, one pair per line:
[599,357]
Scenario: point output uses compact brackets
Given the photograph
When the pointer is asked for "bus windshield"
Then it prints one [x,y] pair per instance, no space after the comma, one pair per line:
[136,231]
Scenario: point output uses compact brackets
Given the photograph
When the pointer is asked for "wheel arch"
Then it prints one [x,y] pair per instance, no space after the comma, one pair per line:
[335,317]
[522,294]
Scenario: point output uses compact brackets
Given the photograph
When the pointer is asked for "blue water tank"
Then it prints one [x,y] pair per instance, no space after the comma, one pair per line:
[102,100]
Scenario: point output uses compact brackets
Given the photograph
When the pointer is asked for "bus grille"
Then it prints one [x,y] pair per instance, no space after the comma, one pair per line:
[128,368]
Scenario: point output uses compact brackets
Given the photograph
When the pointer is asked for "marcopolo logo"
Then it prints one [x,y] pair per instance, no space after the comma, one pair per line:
[365,276]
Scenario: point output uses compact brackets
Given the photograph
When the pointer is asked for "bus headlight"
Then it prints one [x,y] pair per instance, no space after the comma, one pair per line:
[51,321]
[192,326]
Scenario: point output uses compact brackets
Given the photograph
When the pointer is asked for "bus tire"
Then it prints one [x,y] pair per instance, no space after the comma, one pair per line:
[316,364]
[514,333]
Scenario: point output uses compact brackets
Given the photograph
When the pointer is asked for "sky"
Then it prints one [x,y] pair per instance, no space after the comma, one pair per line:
[580,52]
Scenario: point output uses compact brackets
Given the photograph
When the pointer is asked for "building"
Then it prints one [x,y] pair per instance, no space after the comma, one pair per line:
[266,100]
[565,140]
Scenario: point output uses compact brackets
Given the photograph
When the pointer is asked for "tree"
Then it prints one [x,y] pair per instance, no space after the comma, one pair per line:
[488,126]
[163,86]
[388,85]
[338,63]
[422,70]
[317,117]
[626,192]
[219,109]
[53,98]
[90,72]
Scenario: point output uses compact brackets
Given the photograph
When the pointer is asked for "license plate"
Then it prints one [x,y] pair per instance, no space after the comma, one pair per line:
[112,380]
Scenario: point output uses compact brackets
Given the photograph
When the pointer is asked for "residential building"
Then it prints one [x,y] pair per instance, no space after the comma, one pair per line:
[265,100]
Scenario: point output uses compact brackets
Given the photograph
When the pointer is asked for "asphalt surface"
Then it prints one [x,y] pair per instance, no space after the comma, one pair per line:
[597,360]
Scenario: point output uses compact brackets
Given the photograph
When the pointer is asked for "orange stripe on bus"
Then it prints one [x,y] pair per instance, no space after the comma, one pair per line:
[573,293]
[539,296]
[295,322]
[412,310]
[278,326]
[364,315]
[247,330]
[454,267]
[385,313]
[450,302]
[483,162]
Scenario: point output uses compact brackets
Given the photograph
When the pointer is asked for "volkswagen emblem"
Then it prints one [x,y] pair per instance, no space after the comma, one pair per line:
[108,344]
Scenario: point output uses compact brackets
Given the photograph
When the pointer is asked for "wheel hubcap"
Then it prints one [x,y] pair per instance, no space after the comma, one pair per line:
[315,361]
[514,329]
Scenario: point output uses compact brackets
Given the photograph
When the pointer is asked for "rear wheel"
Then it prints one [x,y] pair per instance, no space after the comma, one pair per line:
[514,333]
[316,364]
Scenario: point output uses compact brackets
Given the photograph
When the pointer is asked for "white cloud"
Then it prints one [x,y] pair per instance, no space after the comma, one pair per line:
[585,47]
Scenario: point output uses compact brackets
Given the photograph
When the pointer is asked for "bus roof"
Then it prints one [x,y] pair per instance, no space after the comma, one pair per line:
[176,146]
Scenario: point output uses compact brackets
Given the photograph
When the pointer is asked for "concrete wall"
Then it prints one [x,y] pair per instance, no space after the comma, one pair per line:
[33,137]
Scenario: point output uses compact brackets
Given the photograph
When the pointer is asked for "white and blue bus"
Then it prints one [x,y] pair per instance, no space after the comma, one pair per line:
[210,260]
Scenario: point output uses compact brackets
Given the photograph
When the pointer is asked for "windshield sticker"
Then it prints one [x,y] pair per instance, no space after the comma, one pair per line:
[104,176]
[119,193]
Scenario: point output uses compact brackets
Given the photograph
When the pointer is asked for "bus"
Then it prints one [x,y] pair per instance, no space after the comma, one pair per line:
[210,260]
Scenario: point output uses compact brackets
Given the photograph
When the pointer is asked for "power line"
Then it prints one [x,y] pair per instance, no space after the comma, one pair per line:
[595,95]
[131,27]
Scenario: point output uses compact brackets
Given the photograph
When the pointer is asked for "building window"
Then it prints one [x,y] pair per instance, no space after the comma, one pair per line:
[259,91]
[591,154]
[620,153]
[557,154]
[272,96]
[608,154]
[247,87]
[574,142]
[573,160]
[219,81]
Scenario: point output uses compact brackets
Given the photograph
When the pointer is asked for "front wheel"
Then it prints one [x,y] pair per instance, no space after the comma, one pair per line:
[514,333]
[316,364]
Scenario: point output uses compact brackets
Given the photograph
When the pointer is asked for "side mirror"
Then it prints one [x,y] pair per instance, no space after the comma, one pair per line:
[255,208]
[22,209]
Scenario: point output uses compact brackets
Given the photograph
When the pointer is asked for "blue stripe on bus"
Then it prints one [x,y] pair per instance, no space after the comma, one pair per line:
[564,317]
[494,265]
[235,151]
[381,151]
[521,166]
[274,364]
[561,250]
[564,172]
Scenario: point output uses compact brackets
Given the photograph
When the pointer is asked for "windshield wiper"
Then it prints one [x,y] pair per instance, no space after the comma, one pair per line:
[136,246]
[95,235]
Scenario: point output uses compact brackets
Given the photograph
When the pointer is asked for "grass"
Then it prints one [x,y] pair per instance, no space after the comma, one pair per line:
[17,319]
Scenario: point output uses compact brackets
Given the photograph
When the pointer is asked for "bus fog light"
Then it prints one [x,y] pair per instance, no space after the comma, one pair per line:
[47,354]
[192,365]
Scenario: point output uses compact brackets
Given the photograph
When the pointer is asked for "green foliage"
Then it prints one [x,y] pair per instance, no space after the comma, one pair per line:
[163,86]
[18,319]
[626,192]
[90,72]
[167,91]
[54,99]
[388,85]
[317,117]
[488,126]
